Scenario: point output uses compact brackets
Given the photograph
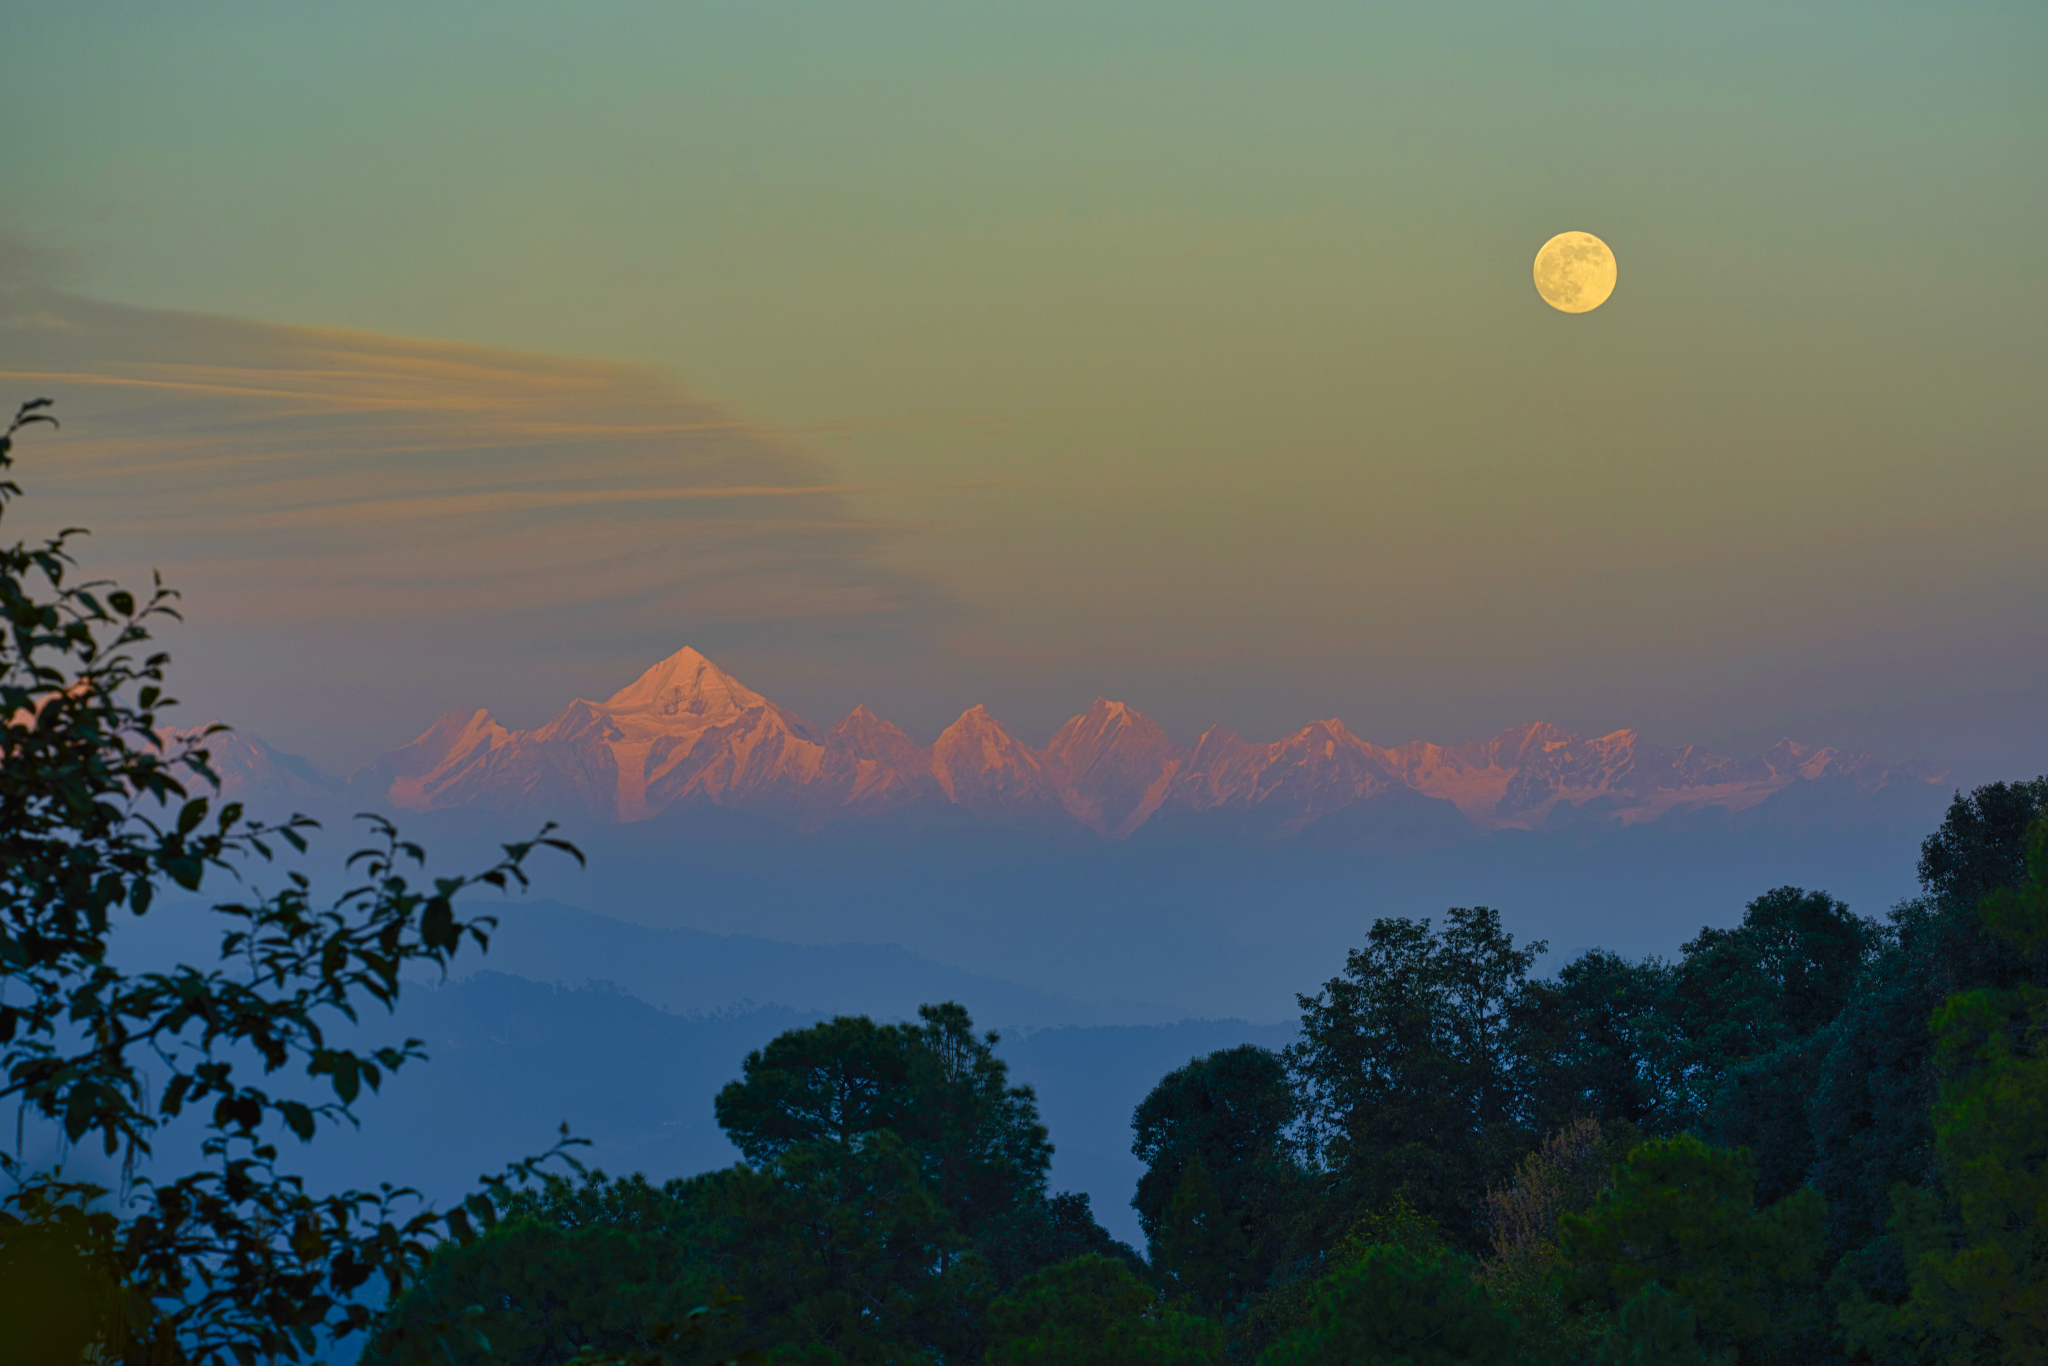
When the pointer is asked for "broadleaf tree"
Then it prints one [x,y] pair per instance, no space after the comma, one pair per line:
[1409,1069]
[1226,1117]
[1975,1242]
[101,810]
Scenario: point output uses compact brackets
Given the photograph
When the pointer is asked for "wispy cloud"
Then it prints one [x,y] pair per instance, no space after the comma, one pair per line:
[297,473]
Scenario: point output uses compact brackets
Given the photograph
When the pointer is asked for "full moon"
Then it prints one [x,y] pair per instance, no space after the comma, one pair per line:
[1575,272]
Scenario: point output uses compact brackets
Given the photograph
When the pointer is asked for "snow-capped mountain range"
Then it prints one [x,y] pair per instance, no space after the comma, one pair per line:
[686,734]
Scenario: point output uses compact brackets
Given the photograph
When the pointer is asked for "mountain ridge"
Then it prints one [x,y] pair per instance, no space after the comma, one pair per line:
[685,735]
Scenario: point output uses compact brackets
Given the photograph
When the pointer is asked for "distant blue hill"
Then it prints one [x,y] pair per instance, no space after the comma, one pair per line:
[685,969]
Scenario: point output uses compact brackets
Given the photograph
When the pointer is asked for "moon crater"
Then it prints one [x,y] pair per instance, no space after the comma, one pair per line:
[1575,272]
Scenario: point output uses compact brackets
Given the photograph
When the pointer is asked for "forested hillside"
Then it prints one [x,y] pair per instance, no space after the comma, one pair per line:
[1812,1136]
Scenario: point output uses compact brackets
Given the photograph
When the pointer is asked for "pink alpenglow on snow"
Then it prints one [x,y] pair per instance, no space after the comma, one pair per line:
[686,733]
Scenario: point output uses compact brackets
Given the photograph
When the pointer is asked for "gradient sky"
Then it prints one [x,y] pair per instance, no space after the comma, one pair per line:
[933,354]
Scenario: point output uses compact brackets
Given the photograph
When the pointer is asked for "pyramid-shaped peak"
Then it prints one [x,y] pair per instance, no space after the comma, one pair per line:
[1106,714]
[456,725]
[1104,728]
[1103,716]
[977,726]
[861,721]
[865,735]
[685,683]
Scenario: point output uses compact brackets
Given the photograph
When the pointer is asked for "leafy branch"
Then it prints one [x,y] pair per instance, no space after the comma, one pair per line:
[100,808]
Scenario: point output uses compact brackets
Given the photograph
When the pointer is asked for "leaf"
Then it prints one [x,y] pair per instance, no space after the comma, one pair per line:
[486,1212]
[242,1111]
[299,1117]
[191,816]
[565,847]
[307,1240]
[437,926]
[346,1081]
[78,1115]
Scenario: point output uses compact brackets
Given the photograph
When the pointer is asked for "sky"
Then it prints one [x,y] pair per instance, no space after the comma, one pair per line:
[924,355]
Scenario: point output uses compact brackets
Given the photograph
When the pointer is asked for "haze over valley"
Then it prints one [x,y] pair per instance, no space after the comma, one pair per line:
[1113,866]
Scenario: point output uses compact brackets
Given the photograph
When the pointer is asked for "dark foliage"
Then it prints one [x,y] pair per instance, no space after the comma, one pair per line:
[1684,1217]
[99,810]
[1092,1311]
[1751,1007]
[1981,845]
[1408,1070]
[1398,1305]
[1041,1233]
[1219,1174]
[1596,1040]
[895,1184]
[943,1093]
[1870,1106]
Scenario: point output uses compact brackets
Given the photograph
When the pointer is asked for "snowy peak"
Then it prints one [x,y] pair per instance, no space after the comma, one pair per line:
[412,774]
[1108,733]
[1517,745]
[685,684]
[457,732]
[865,735]
[578,721]
[1113,765]
[686,693]
[248,767]
[1318,769]
[984,768]
[1221,770]
[687,734]
[892,769]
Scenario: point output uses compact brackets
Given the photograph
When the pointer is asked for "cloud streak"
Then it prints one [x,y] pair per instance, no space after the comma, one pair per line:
[293,472]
